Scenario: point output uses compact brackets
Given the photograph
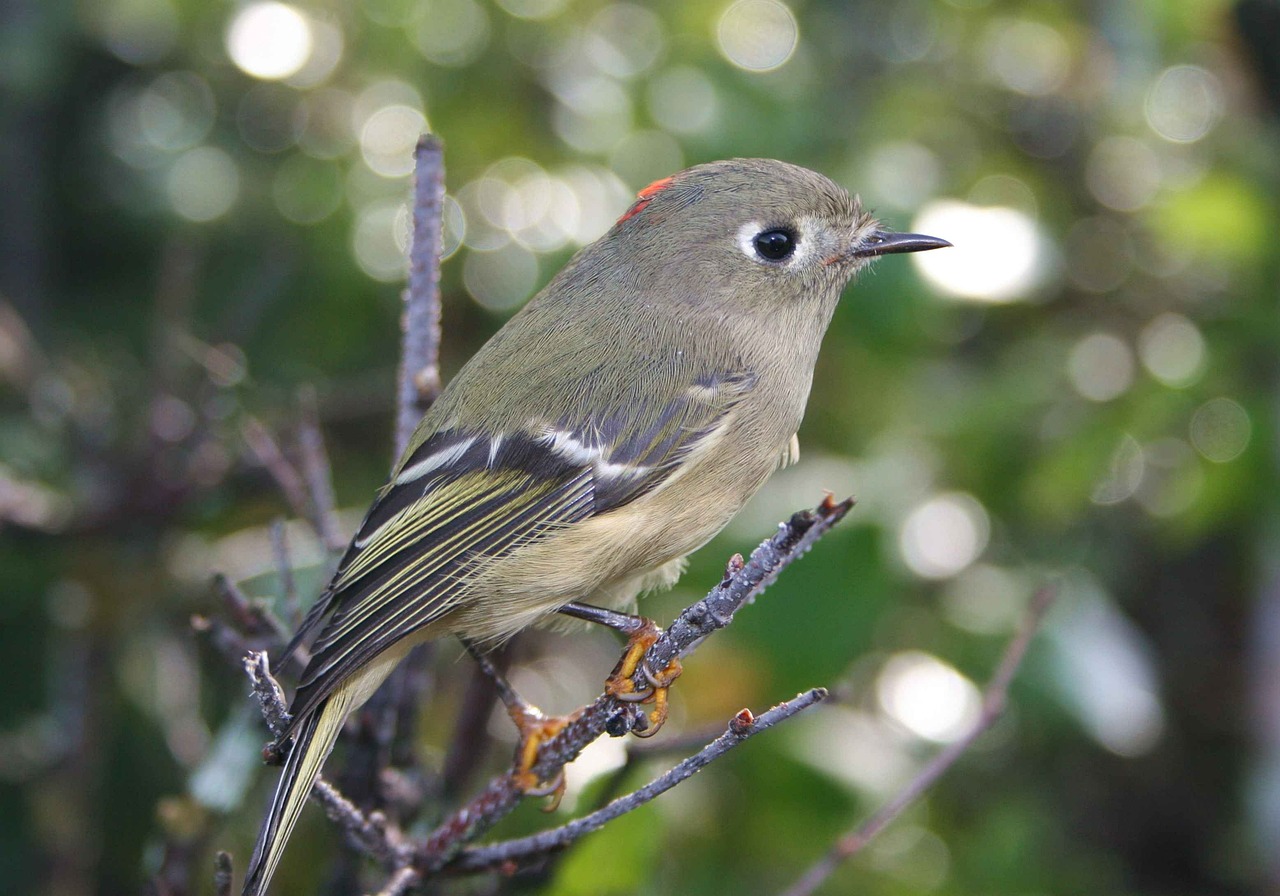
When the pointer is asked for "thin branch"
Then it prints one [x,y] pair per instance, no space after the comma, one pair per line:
[388,721]
[469,744]
[284,569]
[317,473]
[994,700]
[248,625]
[290,482]
[419,381]
[222,874]
[400,883]
[743,582]
[275,710]
[743,726]
[250,616]
[368,833]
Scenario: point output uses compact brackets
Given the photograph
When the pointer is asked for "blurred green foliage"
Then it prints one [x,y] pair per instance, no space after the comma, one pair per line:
[203,214]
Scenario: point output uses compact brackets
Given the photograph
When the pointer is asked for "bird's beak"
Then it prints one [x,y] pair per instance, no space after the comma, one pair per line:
[882,242]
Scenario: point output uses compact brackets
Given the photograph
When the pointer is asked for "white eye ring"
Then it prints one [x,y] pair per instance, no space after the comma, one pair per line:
[749,234]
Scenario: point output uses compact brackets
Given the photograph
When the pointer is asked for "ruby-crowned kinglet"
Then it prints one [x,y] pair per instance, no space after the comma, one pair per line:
[613,425]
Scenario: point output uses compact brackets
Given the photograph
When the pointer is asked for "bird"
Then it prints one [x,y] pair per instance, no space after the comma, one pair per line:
[611,427]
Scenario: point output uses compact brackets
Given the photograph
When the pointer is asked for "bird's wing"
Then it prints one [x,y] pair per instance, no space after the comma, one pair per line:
[461,497]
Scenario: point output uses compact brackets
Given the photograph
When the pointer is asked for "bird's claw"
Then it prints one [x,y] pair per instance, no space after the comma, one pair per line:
[621,684]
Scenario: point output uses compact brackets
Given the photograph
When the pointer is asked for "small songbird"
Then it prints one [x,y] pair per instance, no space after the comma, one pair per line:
[614,425]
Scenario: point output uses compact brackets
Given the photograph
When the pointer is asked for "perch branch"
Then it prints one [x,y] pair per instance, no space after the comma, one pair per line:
[275,710]
[994,700]
[742,583]
[446,849]
[743,726]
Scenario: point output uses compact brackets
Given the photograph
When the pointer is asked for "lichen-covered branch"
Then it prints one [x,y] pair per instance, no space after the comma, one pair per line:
[743,582]
[419,381]
[743,726]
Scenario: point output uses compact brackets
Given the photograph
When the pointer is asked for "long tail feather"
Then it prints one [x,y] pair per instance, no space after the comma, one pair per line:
[313,740]
[312,743]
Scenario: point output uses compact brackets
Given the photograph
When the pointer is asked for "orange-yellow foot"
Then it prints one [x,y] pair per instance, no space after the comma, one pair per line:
[535,730]
[621,683]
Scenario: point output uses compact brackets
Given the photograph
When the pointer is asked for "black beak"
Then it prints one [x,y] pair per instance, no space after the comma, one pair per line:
[881,242]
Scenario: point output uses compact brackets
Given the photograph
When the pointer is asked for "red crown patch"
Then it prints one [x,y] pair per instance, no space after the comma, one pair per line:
[645,196]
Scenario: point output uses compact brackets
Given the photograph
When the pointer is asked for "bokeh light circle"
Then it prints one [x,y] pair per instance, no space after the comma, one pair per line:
[203,184]
[1100,367]
[944,535]
[1220,430]
[757,35]
[1183,104]
[998,254]
[927,696]
[269,40]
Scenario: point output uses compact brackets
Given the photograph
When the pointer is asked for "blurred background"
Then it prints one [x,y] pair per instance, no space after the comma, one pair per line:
[203,223]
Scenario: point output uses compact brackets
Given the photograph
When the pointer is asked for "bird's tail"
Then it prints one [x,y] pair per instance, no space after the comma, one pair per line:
[312,743]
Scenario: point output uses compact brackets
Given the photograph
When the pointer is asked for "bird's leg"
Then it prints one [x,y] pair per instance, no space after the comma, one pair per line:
[641,634]
[535,728]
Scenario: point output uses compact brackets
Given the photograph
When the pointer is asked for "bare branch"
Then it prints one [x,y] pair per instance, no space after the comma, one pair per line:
[400,883]
[222,874]
[318,475]
[290,482]
[994,699]
[743,582]
[275,710]
[419,381]
[284,569]
[368,833]
[469,744]
[743,726]
[388,721]
[251,625]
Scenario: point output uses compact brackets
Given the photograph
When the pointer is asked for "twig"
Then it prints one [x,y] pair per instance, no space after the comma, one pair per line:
[743,726]
[263,444]
[368,833]
[275,711]
[401,882]
[251,625]
[743,582]
[419,380]
[469,745]
[284,569]
[643,750]
[994,700]
[222,874]
[318,476]
[389,719]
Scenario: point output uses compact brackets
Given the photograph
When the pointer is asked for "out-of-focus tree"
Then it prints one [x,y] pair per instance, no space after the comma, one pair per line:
[205,211]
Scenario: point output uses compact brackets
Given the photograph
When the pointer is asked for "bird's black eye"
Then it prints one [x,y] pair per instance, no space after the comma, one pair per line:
[777,244]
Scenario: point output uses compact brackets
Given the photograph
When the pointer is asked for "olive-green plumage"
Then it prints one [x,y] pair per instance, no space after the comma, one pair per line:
[614,425]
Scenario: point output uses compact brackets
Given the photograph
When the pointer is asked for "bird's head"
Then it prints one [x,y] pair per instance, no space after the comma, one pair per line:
[766,232]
